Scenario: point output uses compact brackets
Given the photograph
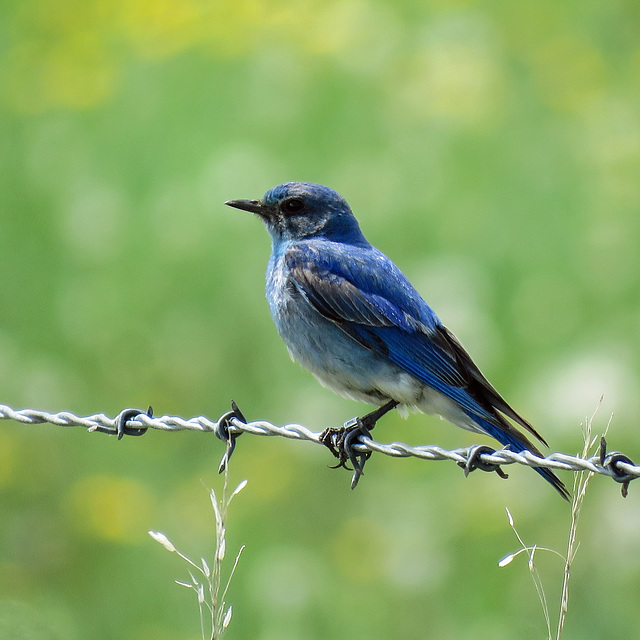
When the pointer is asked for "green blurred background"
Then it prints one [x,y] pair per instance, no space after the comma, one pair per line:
[492,149]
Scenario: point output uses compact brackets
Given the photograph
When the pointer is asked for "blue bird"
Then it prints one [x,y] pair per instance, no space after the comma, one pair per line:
[350,316]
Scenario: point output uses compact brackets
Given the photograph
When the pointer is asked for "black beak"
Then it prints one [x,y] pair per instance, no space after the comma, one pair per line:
[253,206]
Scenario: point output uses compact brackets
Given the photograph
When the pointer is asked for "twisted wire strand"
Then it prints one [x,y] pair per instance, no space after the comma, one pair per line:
[614,464]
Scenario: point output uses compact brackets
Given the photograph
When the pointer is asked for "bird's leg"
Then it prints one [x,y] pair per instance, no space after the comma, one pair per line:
[366,423]
[335,438]
[340,441]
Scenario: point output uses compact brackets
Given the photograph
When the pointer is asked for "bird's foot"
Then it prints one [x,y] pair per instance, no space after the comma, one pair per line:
[222,431]
[341,441]
[474,461]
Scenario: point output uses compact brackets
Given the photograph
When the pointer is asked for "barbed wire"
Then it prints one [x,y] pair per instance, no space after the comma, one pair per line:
[232,424]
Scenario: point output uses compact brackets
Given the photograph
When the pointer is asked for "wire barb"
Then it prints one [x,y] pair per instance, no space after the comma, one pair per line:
[616,465]
[122,419]
[475,461]
[226,435]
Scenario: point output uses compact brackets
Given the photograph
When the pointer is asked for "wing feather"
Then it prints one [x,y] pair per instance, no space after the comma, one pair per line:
[388,316]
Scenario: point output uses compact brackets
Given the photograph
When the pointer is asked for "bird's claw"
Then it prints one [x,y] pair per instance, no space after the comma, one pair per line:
[474,461]
[223,432]
[122,429]
[341,443]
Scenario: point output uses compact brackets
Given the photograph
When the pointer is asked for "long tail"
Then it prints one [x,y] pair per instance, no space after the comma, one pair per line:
[517,442]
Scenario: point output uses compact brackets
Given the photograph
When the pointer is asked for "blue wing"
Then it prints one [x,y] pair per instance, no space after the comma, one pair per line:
[372,301]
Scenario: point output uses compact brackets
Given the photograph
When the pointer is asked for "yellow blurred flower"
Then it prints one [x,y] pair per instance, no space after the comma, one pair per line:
[111,508]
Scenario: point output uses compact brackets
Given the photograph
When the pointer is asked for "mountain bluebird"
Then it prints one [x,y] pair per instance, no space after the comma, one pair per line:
[352,318]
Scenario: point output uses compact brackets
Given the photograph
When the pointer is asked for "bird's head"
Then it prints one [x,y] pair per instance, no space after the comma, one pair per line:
[296,210]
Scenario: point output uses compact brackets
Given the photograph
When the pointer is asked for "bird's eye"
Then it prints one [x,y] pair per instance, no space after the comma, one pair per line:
[293,206]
